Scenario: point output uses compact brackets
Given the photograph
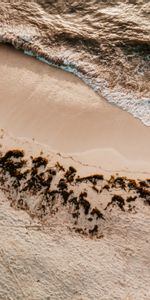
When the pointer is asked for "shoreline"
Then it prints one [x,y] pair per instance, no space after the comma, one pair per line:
[85,189]
[59,110]
[74,162]
[97,218]
[119,97]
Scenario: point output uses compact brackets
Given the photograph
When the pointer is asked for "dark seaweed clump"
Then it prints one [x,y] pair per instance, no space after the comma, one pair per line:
[116,199]
[70,174]
[39,161]
[96,211]
[93,179]
[85,203]
[59,189]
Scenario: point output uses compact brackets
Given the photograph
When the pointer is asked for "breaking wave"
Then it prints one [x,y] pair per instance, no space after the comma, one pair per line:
[106,43]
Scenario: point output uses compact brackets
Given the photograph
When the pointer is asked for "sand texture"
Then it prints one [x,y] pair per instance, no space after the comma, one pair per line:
[43,262]
[74,189]
[77,237]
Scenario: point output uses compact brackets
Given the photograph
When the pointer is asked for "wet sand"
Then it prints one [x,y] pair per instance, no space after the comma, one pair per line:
[57,109]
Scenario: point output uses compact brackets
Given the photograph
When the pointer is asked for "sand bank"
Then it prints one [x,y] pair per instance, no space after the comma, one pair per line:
[57,109]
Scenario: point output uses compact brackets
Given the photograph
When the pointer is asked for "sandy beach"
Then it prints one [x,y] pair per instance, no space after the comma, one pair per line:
[75,189]
[57,109]
[74,150]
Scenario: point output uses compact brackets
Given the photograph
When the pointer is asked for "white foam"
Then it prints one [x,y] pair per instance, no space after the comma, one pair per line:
[138,107]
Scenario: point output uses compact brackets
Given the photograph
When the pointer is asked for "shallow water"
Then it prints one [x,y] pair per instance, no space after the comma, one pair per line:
[105,42]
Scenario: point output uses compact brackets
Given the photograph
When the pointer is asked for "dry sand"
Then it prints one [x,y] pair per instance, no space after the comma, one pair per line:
[46,259]
[47,263]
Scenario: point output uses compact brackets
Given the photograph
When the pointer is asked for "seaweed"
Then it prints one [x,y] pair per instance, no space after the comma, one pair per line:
[22,204]
[76,215]
[106,187]
[79,230]
[51,195]
[118,200]
[95,189]
[62,184]
[111,180]
[44,182]
[144,193]
[51,171]
[143,183]
[94,231]
[65,196]
[93,178]
[75,201]
[130,199]
[121,182]
[13,153]
[12,167]
[59,167]
[33,184]
[37,182]
[132,185]
[70,174]
[85,203]
[96,211]
[39,161]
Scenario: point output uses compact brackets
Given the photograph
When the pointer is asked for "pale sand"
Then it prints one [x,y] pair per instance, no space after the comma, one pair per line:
[45,260]
[47,263]
[57,109]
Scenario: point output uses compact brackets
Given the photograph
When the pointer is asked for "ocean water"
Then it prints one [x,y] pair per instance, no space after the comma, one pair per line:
[106,43]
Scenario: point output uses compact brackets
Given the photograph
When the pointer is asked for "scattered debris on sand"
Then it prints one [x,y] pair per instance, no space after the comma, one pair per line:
[46,190]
